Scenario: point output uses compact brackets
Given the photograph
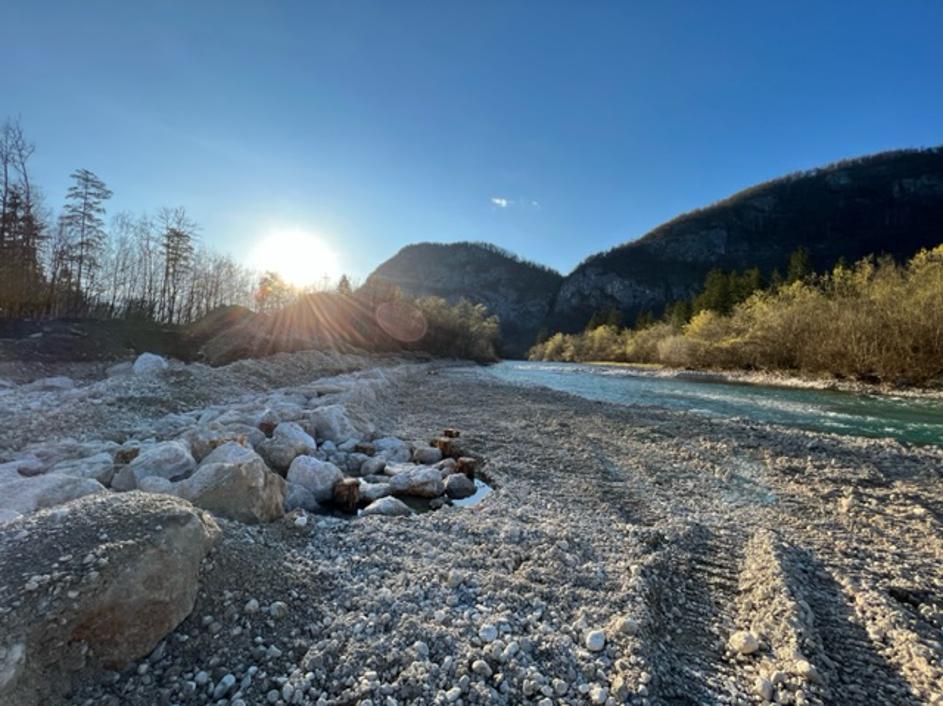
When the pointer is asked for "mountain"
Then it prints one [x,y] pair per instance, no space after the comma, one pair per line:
[886,203]
[519,292]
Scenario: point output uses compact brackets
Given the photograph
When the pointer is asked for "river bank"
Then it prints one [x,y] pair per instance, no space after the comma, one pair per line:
[778,379]
[626,555]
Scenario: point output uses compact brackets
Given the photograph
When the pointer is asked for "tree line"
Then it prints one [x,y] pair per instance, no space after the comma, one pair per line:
[874,320]
[76,262]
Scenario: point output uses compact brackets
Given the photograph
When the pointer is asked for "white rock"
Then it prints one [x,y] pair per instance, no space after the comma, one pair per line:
[156,484]
[743,642]
[332,424]
[58,383]
[373,491]
[246,491]
[372,466]
[149,364]
[427,455]
[627,625]
[319,477]
[167,459]
[488,633]
[297,497]
[287,443]
[144,584]
[422,481]
[388,506]
[458,486]
[391,449]
[595,640]
[100,467]
[230,452]
[26,495]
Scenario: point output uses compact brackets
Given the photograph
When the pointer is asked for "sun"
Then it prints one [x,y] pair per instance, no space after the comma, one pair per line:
[300,257]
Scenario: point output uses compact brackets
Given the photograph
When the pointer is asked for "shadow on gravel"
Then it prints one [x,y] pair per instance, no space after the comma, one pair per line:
[854,671]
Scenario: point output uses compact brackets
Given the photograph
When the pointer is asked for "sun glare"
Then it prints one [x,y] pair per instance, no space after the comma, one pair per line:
[300,257]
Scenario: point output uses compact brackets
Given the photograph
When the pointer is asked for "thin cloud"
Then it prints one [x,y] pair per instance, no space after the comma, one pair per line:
[501,201]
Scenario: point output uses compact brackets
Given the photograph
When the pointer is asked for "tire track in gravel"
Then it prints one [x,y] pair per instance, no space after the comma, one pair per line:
[686,611]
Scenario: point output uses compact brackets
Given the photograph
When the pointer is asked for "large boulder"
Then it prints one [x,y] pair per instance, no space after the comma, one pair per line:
[21,496]
[149,364]
[392,449]
[168,459]
[332,424]
[288,442]
[421,481]
[242,489]
[203,439]
[100,467]
[373,491]
[96,583]
[317,476]
[388,507]
[297,497]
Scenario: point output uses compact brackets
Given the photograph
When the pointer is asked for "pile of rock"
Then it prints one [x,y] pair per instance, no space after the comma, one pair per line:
[293,450]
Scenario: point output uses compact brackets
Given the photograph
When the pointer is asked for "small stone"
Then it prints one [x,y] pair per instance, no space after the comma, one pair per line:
[488,633]
[455,579]
[481,668]
[301,521]
[453,694]
[278,610]
[201,678]
[595,640]
[743,642]
[224,686]
[252,606]
[598,694]
[764,689]
[627,625]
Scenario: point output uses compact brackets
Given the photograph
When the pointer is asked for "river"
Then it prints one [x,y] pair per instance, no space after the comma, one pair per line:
[909,419]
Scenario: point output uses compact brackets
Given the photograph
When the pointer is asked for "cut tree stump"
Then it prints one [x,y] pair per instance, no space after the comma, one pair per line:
[347,494]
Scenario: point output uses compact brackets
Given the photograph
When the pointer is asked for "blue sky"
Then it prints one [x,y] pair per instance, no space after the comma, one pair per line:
[552,129]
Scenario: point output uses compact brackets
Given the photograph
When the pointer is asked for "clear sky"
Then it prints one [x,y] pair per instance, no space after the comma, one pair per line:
[554,129]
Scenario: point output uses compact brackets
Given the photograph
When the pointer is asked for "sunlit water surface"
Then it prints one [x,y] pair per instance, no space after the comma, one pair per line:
[909,419]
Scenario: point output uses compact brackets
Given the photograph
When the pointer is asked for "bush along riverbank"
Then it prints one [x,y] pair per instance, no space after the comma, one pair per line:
[875,321]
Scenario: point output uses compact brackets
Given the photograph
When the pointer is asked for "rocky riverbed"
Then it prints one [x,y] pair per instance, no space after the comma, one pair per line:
[625,556]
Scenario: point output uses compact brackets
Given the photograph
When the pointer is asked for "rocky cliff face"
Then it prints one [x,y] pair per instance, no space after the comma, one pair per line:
[887,203]
[520,293]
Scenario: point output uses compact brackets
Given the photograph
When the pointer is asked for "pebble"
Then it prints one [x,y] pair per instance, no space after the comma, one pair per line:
[595,640]
[481,668]
[743,642]
[488,633]
[252,606]
[278,610]
[224,686]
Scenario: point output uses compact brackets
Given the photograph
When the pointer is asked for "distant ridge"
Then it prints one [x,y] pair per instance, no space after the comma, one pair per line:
[518,291]
[890,203]
[887,203]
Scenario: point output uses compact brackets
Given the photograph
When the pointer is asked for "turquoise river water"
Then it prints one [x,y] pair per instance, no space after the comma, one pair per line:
[909,419]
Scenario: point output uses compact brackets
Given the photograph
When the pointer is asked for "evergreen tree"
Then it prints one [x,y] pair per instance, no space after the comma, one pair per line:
[82,218]
[343,286]
[800,267]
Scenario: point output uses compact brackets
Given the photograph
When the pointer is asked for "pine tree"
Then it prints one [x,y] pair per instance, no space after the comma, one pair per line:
[82,218]
[800,266]
[343,286]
